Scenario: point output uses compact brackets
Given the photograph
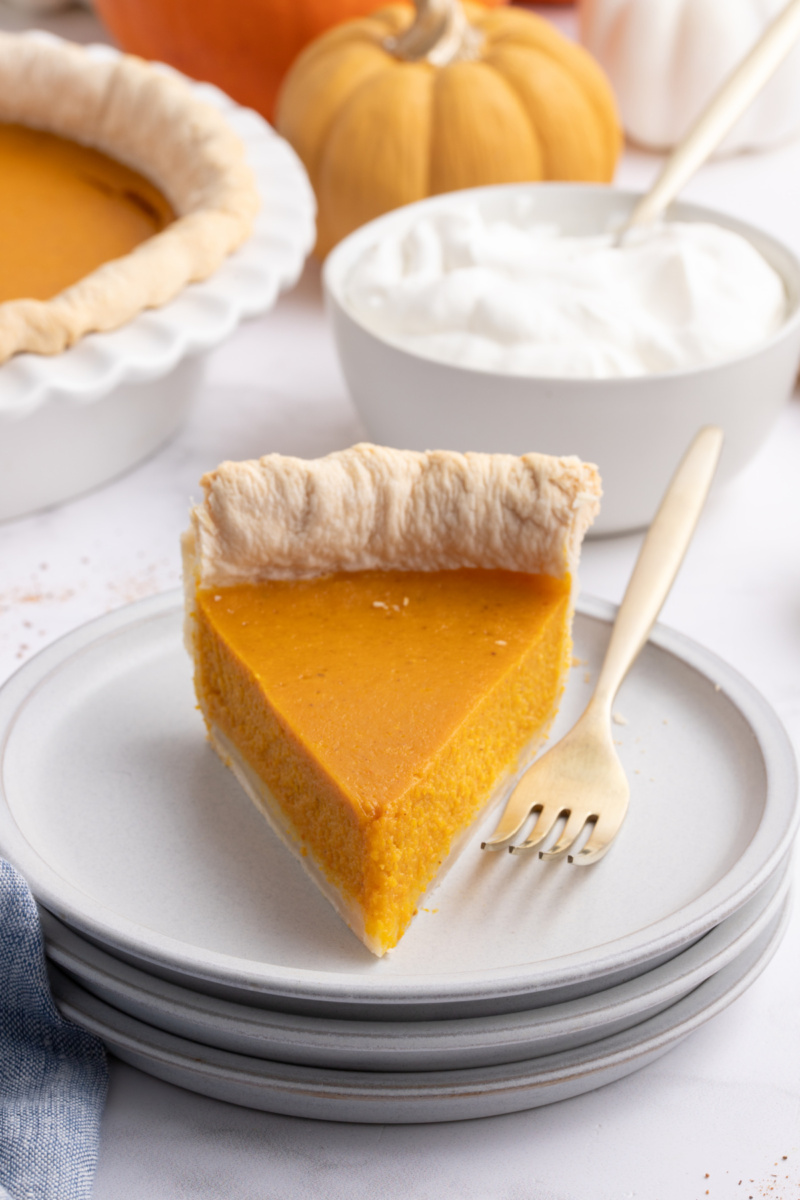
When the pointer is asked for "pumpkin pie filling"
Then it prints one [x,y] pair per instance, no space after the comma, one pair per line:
[380,638]
[381,709]
[65,209]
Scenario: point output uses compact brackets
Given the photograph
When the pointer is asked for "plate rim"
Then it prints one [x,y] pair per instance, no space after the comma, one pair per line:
[87,915]
[665,985]
[644,1041]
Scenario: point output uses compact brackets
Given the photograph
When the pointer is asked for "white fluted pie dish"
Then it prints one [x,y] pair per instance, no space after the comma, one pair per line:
[72,421]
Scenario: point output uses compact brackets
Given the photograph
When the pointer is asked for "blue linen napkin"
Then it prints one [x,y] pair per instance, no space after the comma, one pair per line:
[53,1075]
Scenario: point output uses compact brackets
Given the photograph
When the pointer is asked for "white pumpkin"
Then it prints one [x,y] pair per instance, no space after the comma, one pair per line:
[666,58]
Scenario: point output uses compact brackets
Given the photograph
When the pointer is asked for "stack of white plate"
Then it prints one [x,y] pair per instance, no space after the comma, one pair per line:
[182,933]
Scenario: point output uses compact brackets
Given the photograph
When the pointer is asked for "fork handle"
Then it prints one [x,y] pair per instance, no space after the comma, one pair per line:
[659,560]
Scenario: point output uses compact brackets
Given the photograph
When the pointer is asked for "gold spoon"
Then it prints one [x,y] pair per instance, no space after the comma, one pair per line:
[737,92]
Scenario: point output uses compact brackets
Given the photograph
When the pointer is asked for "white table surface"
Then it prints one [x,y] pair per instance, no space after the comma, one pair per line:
[720,1115]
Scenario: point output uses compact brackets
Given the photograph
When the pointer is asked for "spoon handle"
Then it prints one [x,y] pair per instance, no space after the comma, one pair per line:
[659,560]
[740,88]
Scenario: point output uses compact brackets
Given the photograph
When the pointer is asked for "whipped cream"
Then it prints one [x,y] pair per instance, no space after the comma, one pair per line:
[515,296]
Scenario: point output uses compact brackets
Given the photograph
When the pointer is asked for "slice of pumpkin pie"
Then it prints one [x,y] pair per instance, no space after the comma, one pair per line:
[380,638]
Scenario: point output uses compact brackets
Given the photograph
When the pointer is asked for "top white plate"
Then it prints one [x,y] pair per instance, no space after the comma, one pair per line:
[130,830]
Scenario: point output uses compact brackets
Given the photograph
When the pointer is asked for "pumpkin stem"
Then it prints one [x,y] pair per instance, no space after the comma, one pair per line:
[439,34]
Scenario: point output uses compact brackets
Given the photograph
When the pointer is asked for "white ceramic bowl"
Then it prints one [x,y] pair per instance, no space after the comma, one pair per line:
[634,429]
[75,420]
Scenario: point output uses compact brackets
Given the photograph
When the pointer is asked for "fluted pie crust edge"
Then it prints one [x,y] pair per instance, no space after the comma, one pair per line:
[151,121]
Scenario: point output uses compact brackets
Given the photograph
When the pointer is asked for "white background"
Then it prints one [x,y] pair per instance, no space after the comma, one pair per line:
[723,1107]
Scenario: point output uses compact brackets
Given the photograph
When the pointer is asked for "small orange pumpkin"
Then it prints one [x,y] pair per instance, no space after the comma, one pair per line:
[243,46]
[402,105]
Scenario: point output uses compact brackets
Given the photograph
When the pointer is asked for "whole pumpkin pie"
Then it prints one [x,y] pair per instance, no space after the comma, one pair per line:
[380,639]
[119,187]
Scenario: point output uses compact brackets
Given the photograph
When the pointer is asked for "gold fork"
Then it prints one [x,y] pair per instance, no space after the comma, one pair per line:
[581,778]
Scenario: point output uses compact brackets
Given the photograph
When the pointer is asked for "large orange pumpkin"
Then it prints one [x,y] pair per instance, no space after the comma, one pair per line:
[244,46]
